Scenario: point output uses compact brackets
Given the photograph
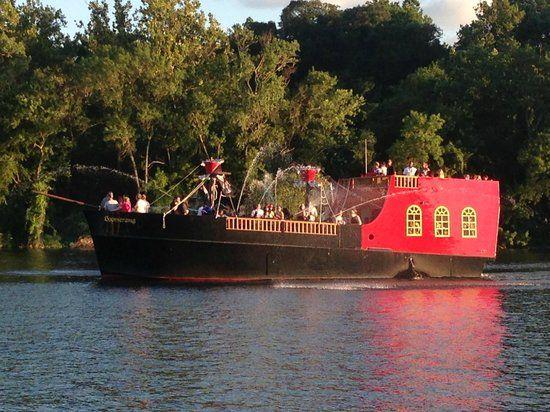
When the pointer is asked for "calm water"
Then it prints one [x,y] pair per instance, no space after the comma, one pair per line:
[68,342]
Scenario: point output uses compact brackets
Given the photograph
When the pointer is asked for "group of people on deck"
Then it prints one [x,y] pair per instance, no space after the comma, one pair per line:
[307,213]
[388,169]
[124,205]
[270,212]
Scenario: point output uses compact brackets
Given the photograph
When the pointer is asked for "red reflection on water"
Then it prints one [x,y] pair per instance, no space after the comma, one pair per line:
[433,348]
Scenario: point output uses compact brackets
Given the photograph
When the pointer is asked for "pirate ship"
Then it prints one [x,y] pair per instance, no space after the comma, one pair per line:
[411,227]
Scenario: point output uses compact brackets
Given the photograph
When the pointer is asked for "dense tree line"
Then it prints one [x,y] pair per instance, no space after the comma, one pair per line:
[137,98]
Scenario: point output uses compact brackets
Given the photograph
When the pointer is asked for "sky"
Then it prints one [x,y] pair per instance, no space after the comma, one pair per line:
[447,14]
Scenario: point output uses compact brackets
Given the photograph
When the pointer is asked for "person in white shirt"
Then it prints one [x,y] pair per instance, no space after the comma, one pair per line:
[104,201]
[142,205]
[410,170]
[258,213]
[384,169]
[339,219]
[312,213]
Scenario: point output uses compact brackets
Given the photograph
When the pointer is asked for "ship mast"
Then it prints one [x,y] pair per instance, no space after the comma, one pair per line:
[366,157]
[308,175]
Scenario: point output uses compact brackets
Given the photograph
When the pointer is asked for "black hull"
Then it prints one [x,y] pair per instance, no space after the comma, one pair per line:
[200,251]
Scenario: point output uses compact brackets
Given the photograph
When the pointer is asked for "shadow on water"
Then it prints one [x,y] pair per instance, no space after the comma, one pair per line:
[48,266]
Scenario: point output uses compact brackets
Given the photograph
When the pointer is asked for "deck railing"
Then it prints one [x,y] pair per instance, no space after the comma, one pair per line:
[310,228]
[280,226]
[406,182]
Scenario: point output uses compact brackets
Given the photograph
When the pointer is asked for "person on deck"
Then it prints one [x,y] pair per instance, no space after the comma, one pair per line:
[287,213]
[376,169]
[138,197]
[142,205]
[425,171]
[339,219]
[176,206]
[441,174]
[303,213]
[257,213]
[104,201]
[390,168]
[184,208]
[410,170]
[313,214]
[205,210]
[109,203]
[279,214]
[355,218]
[384,169]
[269,212]
[126,205]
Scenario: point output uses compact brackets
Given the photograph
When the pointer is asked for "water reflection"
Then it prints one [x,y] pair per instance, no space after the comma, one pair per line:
[435,348]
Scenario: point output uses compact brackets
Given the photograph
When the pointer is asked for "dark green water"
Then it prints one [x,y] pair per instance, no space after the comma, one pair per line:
[68,342]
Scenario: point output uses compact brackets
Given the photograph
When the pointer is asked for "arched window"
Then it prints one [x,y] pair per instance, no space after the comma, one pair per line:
[442,225]
[414,221]
[469,223]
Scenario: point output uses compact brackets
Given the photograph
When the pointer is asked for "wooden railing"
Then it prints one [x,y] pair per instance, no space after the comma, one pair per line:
[406,182]
[280,226]
[310,228]
[253,225]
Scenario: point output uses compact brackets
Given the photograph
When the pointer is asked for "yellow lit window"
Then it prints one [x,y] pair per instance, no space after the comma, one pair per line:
[469,223]
[442,226]
[414,221]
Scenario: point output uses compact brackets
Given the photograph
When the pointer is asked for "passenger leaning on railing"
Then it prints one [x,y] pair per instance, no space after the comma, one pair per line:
[269,212]
[339,219]
[303,214]
[109,203]
[258,213]
[410,170]
[390,169]
[125,205]
[142,205]
[279,214]
[313,214]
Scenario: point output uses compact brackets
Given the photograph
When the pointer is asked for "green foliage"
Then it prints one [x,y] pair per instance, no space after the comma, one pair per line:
[421,140]
[36,216]
[495,25]
[144,95]
[376,44]
[321,116]
[535,158]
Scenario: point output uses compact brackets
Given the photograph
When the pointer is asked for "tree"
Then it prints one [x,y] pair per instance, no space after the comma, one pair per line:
[377,44]
[321,117]
[142,82]
[495,25]
[421,140]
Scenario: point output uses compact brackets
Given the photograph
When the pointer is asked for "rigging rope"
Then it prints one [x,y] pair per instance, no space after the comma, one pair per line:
[174,186]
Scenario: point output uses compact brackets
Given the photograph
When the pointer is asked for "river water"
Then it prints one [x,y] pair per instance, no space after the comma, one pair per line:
[69,342]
